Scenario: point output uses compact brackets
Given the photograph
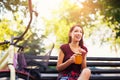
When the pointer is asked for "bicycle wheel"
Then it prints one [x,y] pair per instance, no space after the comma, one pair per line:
[5,75]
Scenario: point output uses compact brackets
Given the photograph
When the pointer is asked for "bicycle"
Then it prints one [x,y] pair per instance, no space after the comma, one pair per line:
[7,60]
[19,71]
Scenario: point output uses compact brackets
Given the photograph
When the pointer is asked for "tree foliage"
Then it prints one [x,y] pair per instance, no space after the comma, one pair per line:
[14,18]
[13,5]
[33,44]
[89,14]
[110,9]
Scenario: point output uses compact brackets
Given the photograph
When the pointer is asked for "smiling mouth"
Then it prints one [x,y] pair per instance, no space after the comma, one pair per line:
[78,37]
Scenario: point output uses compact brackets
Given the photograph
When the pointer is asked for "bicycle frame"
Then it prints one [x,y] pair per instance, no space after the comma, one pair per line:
[7,61]
[3,61]
[10,62]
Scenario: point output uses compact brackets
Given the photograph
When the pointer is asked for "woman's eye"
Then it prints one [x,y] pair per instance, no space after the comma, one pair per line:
[76,31]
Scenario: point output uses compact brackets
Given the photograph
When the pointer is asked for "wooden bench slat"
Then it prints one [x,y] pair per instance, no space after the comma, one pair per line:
[94,71]
[105,71]
[99,77]
[93,77]
[91,64]
[103,58]
[104,64]
[88,58]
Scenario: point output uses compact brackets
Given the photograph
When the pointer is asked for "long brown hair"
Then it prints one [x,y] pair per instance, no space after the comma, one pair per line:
[81,44]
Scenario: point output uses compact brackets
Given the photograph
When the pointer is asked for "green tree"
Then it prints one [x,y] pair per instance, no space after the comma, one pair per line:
[109,10]
[13,21]
[33,44]
[12,14]
[86,13]
[13,5]
[93,15]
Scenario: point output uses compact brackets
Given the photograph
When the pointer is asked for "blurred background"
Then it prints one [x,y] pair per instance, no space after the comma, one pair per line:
[52,20]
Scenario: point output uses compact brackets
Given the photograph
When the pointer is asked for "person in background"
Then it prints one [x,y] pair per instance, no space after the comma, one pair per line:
[69,66]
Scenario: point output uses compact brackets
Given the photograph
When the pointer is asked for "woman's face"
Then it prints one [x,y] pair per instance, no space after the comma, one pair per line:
[76,34]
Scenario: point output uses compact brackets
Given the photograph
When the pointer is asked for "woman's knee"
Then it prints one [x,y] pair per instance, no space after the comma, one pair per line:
[86,71]
[85,74]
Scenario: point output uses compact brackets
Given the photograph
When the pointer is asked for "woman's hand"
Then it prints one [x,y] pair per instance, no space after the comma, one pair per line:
[72,58]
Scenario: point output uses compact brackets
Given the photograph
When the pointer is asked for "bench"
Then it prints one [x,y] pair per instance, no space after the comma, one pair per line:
[102,68]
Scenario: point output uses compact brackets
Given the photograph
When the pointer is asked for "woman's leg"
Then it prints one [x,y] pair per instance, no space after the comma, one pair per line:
[85,74]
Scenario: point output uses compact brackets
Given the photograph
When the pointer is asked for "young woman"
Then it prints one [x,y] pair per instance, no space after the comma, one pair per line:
[66,65]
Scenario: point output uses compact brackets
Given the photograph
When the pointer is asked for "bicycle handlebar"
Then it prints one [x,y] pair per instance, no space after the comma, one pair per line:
[5,42]
[8,42]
